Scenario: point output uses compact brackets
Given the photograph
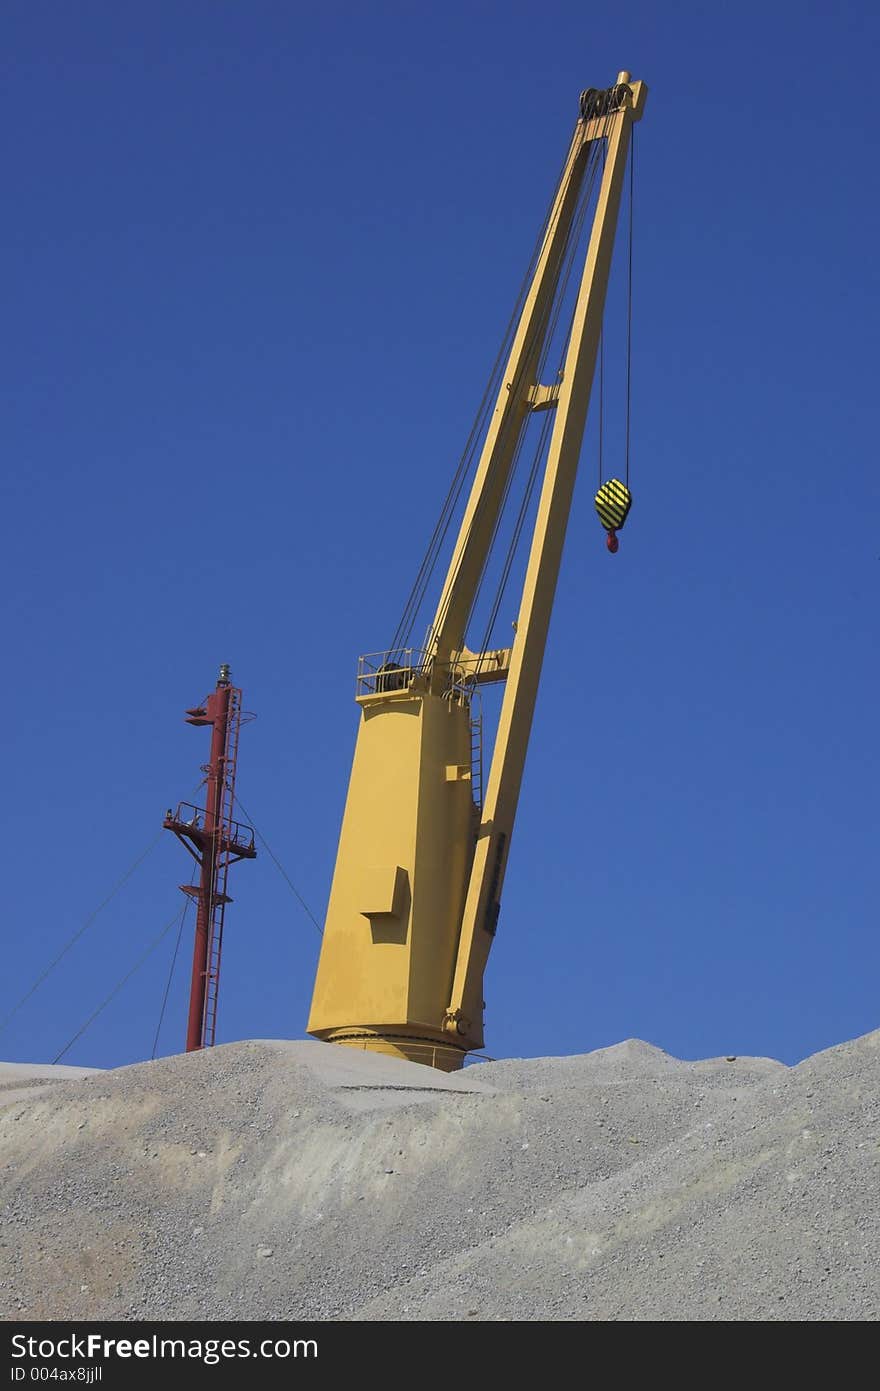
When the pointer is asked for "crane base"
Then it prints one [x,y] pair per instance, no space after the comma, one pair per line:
[445,1057]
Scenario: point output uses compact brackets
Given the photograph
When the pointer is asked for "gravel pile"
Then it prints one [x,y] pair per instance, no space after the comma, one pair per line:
[302,1180]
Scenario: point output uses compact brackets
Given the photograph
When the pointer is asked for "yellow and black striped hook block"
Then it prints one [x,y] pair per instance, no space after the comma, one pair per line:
[613,502]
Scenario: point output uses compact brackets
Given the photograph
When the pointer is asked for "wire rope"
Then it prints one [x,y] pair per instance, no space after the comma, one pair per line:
[279,866]
[186,903]
[543,330]
[567,261]
[116,989]
[79,932]
[419,589]
[632,165]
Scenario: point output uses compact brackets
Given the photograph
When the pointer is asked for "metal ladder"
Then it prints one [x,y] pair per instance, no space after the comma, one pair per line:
[477,758]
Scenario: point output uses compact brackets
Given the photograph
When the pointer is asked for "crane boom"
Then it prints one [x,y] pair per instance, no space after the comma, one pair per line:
[416,890]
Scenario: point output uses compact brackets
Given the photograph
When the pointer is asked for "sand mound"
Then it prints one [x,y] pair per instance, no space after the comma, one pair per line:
[301,1180]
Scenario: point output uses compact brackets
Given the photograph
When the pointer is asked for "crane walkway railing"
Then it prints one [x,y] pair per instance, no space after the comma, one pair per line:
[404,669]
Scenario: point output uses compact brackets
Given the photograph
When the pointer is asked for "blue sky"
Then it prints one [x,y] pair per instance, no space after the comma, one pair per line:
[257,260]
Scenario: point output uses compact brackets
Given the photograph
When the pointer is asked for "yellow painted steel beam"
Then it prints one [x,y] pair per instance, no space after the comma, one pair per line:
[420,863]
[464,1016]
[511,411]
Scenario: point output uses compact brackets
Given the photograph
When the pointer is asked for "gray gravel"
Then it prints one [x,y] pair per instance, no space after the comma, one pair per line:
[302,1180]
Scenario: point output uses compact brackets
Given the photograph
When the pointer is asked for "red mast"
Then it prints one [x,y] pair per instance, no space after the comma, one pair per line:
[215,840]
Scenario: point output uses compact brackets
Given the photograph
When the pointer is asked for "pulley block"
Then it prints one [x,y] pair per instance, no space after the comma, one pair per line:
[613,502]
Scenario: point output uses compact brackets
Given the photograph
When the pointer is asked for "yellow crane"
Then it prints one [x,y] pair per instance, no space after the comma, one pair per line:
[422,852]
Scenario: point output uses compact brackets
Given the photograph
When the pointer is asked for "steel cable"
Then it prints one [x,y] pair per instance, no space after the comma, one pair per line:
[567,263]
[279,866]
[419,589]
[79,932]
[116,989]
[87,924]
[186,903]
[632,166]
[538,333]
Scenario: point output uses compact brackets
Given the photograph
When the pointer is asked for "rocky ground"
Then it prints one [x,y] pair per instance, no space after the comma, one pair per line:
[303,1180]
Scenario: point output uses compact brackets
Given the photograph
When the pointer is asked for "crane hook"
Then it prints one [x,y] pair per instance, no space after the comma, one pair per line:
[612,542]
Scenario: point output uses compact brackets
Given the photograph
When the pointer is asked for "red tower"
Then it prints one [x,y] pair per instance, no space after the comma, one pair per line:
[215,840]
